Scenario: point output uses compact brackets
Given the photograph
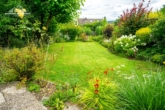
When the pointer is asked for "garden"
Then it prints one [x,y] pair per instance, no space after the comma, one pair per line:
[97,66]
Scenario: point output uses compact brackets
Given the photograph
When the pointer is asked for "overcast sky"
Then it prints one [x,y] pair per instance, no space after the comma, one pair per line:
[112,9]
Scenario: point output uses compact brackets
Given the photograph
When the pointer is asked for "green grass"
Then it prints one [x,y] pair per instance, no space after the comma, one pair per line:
[78,58]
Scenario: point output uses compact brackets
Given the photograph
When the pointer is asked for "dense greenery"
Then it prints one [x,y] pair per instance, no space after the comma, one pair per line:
[84,72]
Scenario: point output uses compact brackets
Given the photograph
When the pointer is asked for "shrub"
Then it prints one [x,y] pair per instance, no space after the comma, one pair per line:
[127,45]
[108,31]
[87,30]
[134,19]
[158,36]
[143,34]
[24,62]
[97,38]
[143,91]
[71,30]
[158,58]
[59,39]
[99,30]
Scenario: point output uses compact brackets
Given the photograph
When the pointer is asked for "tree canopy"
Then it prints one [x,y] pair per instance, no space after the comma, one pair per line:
[61,10]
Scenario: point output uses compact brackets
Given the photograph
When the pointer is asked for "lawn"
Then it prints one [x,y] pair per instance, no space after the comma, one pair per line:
[76,59]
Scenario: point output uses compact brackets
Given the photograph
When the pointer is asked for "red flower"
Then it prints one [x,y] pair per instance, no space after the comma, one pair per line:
[96,91]
[96,85]
[97,80]
[105,72]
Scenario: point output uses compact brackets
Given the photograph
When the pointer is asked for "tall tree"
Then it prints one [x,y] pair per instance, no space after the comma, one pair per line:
[61,10]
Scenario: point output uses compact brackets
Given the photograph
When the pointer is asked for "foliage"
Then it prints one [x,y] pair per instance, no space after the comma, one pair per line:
[71,30]
[33,87]
[25,62]
[55,103]
[154,15]
[145,90]
[59,39]
[99,30]
[134,19]
[97,38]
[108,31]
[87,30]
[83,37]
[96,26]
[143,34]
[127,45]
[59,10]
[100,93]
[163,9]
[158,36]
[158,58]
[65,92]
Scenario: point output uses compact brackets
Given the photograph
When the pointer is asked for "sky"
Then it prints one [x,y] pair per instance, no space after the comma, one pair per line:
[112,9]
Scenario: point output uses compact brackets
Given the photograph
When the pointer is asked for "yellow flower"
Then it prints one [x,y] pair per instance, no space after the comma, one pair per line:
[19,12]
[24,10]
[164,62]
[44,28]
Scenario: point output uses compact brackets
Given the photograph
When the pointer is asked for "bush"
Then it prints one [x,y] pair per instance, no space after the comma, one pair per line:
[158,36]
[99,30]
[134,19]
[127,45]
[97,38]
[87,30]
[59,39]
[24,62]
[158,58]
[71,30]
[143,34]
[143,91]
[108,31]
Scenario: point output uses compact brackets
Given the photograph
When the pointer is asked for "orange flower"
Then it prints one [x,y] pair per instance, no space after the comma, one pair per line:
[96,91]
[97,80]
[96,85]
[106,72]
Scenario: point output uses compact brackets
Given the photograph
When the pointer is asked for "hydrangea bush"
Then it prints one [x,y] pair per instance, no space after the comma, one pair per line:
[127,45]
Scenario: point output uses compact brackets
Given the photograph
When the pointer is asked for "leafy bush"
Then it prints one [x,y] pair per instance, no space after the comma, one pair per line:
[108,31]
[59,39]
[158,36]
[100,93]
[127,45]
[71,30]
[99,30]
[134,19]
[97,38]
[143,34]
[87,30]
[143,91]
[158,58]
[24,62]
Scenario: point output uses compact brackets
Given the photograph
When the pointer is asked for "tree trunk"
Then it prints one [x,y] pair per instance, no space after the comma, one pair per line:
[48,20]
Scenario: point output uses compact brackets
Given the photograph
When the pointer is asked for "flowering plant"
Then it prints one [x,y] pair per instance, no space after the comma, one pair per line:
[100,93]
[128,45]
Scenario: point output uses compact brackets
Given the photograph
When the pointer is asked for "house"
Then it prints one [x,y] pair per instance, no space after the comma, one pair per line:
[82,21]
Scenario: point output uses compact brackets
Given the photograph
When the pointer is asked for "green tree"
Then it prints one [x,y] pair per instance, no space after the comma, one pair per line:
[61,10]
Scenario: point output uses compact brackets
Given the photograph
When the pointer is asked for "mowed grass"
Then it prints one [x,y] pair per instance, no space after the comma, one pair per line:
[78,58]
